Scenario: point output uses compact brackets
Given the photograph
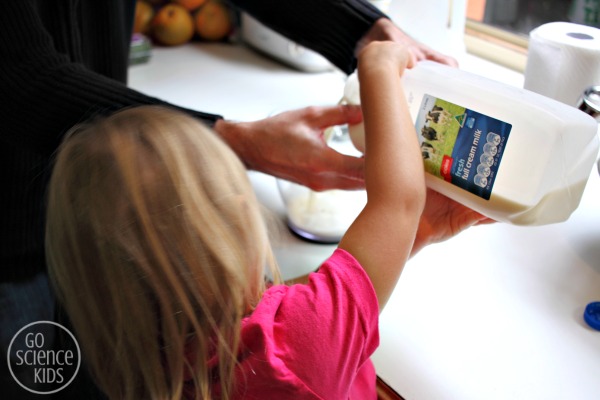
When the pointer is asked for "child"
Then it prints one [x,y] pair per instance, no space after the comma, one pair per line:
[157,249]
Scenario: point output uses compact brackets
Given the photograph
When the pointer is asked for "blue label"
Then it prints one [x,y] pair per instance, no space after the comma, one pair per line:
[460,145]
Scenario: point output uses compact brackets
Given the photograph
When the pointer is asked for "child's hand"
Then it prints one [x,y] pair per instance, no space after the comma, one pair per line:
[384,55]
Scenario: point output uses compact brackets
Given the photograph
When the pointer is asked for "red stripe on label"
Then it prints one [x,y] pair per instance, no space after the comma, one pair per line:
[446,168]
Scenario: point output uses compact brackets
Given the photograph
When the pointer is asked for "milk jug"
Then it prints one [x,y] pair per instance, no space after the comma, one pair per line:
[510,154]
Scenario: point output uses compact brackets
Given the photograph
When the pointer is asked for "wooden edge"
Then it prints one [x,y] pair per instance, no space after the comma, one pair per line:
[384,392]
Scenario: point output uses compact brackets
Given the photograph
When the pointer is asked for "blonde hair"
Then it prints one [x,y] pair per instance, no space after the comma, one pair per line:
[156,246]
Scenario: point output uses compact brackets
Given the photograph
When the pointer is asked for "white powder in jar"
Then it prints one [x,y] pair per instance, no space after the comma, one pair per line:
[325,215]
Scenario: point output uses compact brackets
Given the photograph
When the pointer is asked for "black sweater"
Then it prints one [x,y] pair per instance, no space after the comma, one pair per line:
[62,61]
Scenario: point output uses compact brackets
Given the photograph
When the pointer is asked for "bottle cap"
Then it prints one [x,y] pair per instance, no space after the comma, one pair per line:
[591,315]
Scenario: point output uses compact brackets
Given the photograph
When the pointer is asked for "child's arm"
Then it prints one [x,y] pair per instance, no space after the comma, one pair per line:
[382,236]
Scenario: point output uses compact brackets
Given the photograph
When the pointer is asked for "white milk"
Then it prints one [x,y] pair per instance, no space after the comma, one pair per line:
[324,216]
[508,153]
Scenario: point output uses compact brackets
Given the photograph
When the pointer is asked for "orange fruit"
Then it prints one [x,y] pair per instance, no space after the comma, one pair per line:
[213,21]
[143,16]
[189,5]
[172,25]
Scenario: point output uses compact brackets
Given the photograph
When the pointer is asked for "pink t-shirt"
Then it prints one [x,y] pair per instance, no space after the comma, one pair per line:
[314,340]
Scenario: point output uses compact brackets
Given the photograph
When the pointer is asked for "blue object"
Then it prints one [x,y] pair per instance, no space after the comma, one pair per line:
[591,315]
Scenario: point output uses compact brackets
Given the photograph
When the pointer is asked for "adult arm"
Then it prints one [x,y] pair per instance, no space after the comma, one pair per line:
[330,27]
[45,91]
[337,29]
[385,30]
[291,145]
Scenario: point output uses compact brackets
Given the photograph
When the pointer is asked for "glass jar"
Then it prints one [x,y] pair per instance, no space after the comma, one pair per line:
[323,217]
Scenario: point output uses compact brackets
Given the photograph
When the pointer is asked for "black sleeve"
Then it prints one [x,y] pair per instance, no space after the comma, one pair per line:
[44,90]
[329,27]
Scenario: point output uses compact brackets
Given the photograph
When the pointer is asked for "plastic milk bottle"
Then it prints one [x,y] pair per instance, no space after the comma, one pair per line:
[511,154]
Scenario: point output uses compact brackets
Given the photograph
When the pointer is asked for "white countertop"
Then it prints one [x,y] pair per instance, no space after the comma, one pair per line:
[494,313]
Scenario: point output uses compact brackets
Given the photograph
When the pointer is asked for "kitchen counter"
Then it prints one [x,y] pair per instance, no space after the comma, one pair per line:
[494,313]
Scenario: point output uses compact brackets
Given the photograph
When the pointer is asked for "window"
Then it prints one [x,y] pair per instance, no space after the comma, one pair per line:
[499,29]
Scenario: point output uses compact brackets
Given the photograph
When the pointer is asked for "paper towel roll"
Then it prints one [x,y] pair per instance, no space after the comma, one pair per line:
[563,60]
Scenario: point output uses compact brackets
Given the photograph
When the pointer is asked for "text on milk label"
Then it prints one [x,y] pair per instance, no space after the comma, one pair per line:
[460,145]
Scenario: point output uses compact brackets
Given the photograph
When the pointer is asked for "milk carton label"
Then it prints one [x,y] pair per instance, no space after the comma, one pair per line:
[460,145]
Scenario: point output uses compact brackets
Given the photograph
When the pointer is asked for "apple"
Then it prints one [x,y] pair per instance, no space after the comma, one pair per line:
[143,16]
[172,25]
[213,21]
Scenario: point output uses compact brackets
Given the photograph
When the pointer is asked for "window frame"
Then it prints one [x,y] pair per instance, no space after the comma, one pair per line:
[496,45]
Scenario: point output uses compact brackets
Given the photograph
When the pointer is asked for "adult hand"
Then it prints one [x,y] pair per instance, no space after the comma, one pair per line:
[291,145]
[444,218]
[385,30]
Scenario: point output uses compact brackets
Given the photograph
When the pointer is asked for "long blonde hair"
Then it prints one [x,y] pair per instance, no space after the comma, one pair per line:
[156,245]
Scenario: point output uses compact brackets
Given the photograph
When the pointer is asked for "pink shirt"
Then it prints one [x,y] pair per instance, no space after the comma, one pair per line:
[313,341]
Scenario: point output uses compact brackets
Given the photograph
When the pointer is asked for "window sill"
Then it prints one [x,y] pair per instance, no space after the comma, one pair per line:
[496,45]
